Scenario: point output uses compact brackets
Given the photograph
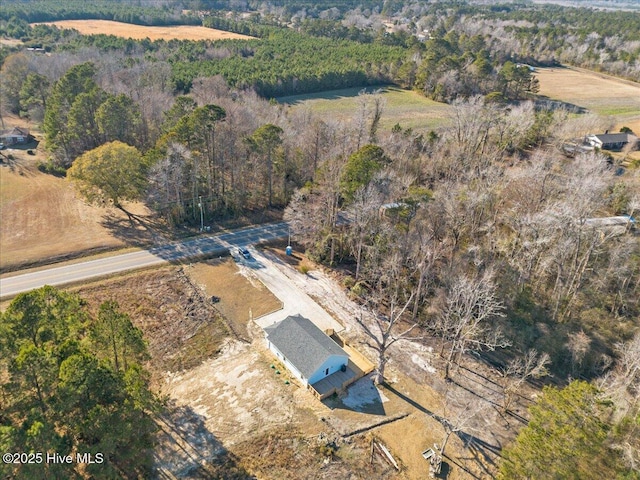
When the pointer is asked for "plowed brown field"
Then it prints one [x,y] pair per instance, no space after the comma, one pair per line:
[139,32]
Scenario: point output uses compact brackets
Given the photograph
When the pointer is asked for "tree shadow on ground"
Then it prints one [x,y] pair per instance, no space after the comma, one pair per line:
[488,385]
[445,469]
[546,103]
[186,449]
[32,145]
[15,164]
[135,230]
[478,446]
[362,396]
[333,94]
[413,403]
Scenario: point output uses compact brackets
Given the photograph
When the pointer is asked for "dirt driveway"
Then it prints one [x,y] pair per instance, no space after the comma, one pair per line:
[294,299]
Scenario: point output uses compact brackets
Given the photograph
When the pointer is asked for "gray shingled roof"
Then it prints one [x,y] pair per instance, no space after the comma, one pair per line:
[15,132]
[302,343]
[614,137]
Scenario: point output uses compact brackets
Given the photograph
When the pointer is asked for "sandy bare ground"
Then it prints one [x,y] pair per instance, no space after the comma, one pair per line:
[416,387]
[294,299]
[236,392]
[140,32]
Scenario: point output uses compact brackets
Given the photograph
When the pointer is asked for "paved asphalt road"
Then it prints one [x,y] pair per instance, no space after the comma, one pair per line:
[203,246]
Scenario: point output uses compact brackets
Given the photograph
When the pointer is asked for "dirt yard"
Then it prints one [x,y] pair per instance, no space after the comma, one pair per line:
[140,32]
[232,411]
[416,389]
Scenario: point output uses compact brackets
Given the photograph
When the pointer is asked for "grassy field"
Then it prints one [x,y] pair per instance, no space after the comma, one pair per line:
[44,221]
[238,293]
[406,107]
[599,93]
[139,32]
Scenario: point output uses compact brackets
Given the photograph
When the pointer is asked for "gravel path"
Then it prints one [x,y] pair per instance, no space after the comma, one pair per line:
[294,299]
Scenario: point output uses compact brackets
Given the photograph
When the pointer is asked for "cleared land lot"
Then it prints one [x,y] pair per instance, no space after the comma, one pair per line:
[139,32]
[406,107]
[599,93]
[43,220]
[229,410]
[238,292]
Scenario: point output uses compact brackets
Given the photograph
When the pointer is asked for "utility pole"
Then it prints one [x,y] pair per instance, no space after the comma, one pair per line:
[201,213]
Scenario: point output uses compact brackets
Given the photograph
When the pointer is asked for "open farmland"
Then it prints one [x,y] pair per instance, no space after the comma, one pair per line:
[599,93]
[44,221]
[140,32]
[406,107]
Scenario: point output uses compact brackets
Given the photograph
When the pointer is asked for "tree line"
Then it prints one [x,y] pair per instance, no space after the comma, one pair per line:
[464,51]
[229,149]
[155,13]
[282,63]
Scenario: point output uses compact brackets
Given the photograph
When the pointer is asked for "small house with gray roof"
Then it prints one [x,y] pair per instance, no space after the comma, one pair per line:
[611,141]
[308,353]
[16,136]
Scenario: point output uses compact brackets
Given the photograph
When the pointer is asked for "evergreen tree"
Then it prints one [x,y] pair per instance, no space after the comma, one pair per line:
[60,396]
[566,438]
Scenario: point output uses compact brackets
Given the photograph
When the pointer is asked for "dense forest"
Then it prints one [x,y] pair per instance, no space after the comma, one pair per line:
[443,49]
[73,383]
[476,235]
[140,13]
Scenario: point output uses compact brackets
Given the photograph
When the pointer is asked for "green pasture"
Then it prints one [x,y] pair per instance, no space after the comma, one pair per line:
[406,107]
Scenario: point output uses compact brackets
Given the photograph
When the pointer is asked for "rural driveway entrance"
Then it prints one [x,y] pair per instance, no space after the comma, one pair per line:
[294,300]
[204,246]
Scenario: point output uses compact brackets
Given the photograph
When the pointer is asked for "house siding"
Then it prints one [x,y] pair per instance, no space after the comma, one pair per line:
[333,363]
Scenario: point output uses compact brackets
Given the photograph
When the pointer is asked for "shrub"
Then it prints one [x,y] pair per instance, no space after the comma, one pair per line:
[52,169]
[358,289]
[348,281]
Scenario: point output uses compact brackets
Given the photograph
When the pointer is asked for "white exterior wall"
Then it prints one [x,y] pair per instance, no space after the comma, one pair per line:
[294,371]
[594,141]
[333,363]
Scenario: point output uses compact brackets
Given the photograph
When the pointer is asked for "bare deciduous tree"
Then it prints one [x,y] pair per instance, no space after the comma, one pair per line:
[518,371]
[313,211]
[622,385]
[578,345]
[387,301]
[464,323]
[363,214]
